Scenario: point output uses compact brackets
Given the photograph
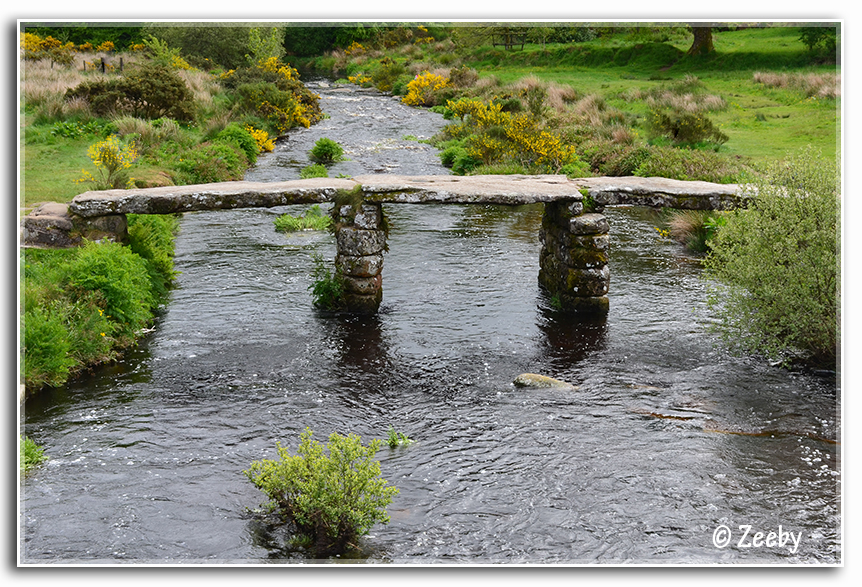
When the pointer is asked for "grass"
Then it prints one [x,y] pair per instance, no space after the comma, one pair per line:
[763,121]
[31,454]
[313,219]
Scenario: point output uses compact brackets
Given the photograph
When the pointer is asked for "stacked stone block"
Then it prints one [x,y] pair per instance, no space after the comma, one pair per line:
[573,264]
[360,243]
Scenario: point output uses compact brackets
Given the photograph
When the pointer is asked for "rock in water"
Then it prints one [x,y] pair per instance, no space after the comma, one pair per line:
[533,380]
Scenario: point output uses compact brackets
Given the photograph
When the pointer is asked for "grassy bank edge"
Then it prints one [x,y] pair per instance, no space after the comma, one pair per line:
[83,307]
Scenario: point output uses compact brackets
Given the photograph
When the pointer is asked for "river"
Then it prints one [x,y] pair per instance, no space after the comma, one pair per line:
[667,442]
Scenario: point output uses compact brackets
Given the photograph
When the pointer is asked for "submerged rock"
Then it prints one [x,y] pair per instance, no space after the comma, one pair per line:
[533,380]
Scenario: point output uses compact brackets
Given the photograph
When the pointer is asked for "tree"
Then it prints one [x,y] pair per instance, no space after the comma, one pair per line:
[702,44]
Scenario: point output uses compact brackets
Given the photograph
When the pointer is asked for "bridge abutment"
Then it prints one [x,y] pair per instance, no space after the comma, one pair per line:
[360,239]
[573,263]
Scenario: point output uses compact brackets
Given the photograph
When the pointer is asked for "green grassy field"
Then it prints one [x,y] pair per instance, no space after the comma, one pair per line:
[762,123]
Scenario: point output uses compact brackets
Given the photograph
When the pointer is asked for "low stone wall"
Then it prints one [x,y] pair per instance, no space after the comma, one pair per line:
[360,240]
[53,226]
[573,263]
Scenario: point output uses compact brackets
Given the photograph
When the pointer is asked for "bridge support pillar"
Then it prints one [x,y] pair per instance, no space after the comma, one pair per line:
[360,238]
[573,265]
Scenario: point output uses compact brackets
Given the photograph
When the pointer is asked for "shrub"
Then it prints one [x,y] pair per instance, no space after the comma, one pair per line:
[120,278]
[327,289]
[31,454]
[423,89]
[45,355]
[151,237]
[326,151]
[112,159]
[684,128]
[313,170]
[212,163]
[147,91]
[332,495]
[689,165]
[242,138]
[780,261]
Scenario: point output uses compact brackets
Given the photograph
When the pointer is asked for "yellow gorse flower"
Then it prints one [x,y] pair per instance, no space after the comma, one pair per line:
[111,158]
[265,143]
[421,89]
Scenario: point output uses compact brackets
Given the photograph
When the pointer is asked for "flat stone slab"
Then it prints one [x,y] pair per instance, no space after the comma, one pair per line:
[510,190]
[428,189]
[211,196]
[660,192]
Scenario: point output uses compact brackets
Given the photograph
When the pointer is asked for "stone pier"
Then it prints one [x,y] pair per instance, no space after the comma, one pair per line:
[360,240]
[573,263]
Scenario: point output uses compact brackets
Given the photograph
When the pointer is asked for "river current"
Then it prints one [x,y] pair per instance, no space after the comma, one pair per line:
[667,443]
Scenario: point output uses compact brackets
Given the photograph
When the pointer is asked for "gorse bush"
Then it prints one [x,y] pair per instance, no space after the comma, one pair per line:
[112,159]
[242,138]
[489,135]
[332,494]
[780,262]
[424,88]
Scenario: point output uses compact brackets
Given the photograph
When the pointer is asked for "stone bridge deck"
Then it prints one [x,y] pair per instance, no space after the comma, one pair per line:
[573,264]
[442,189]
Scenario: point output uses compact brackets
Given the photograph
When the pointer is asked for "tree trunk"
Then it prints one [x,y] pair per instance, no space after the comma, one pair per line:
[702,40]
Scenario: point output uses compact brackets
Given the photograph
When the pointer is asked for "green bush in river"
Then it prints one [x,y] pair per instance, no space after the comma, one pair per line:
[332,494]
[326,150]
[780,262]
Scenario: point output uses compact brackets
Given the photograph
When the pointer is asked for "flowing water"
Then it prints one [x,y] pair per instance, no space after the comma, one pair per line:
[666,442]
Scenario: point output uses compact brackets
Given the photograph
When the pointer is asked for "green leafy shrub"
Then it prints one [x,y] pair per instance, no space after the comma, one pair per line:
[689,165]
[780,261]
[395,439]
[608,157]
[327,289]
[212,163]
[684,128]
[31,454]
[313,170]
[147,91]
[151,237]
[326,150]
[121,279]
[332,494]
[45,354]
[242,138]
[313,219]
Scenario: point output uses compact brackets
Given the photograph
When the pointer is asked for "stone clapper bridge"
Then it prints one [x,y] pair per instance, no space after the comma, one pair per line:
[573,264]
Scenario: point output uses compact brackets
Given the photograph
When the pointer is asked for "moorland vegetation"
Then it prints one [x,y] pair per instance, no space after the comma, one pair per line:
[146,106]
